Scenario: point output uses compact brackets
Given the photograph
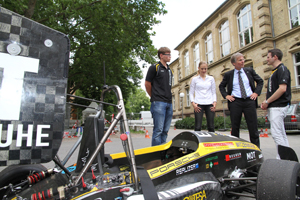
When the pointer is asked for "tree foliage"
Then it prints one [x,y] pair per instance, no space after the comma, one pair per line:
[136,100]
[116,32]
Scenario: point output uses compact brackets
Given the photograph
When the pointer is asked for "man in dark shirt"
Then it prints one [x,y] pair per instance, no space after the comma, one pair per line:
[158,85]
[278,97]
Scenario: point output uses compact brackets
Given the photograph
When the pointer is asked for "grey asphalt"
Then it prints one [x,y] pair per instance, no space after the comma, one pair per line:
[139,141]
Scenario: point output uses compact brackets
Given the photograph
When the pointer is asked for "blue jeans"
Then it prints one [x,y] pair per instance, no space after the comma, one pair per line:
[162,114]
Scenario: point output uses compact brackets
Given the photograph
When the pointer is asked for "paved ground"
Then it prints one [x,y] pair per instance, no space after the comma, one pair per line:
[139,141]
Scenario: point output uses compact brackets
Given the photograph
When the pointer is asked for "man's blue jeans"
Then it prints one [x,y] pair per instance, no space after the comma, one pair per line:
[162,114]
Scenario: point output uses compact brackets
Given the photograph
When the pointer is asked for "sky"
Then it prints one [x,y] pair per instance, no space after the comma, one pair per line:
[183,17]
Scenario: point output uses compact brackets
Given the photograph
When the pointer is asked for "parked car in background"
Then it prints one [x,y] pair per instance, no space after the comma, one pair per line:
[292,119]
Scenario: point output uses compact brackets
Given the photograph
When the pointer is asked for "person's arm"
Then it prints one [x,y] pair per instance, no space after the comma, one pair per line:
[222,89]
[277,94]
[214,95]
[259,82]
[192,90]
[148,87]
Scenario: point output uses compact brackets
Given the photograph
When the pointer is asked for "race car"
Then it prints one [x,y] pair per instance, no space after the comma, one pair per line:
[192,166]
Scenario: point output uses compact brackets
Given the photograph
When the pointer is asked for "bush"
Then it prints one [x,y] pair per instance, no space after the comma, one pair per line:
[189,123]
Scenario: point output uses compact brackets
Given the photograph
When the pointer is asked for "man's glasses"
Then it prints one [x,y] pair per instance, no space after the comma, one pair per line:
[167,54]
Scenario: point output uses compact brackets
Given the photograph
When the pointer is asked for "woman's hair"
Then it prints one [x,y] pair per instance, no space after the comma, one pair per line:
[198,73]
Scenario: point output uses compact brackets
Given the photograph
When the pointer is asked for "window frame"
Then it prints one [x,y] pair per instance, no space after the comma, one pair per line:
[207,41]
[296,65]
[222,29]
[196,52]
[187,91]
[186,63]
[248,14]
[297,6]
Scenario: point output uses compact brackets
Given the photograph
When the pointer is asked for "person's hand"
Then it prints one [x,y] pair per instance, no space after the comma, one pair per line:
[230,98]
[253,96]
[196,108]
[213,108]
[264,105]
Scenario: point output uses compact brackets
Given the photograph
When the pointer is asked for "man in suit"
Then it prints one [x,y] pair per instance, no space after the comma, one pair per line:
[242,96]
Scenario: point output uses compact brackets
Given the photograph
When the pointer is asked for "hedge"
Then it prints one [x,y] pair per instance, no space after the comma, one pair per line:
[189,123]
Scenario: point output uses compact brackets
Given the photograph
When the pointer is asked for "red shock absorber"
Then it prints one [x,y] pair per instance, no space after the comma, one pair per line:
[46,194]
[39,176]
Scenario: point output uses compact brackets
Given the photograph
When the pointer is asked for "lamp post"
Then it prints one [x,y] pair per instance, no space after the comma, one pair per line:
[142,108]
[181,97]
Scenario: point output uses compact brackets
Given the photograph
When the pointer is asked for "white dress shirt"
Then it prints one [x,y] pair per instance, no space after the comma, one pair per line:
[203,91]
[236,91]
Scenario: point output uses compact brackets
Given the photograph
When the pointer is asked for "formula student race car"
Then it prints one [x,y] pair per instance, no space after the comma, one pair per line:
[192,166]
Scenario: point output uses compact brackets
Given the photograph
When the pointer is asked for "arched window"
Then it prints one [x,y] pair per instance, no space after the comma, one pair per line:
[297,67]
[209,49]
[196,56]
[244,19]
[224,35]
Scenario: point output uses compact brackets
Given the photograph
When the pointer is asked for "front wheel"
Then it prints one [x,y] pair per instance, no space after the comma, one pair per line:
[278,179]
[16,174]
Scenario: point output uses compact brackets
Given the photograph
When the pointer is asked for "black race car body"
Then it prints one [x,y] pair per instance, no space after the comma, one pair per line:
[189,166]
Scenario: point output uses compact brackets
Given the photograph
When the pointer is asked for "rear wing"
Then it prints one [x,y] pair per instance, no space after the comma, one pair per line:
[34,62]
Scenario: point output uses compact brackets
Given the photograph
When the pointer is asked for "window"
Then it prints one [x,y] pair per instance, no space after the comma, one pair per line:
[297,67]
[179,74]
[245,26]
[196,56]
[187,91]
[173,102]
[209,49]
[294,9]
[224,39]
[186,63]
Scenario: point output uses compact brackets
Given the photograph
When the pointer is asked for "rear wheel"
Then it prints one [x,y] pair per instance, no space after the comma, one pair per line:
[278,179]
[16,174]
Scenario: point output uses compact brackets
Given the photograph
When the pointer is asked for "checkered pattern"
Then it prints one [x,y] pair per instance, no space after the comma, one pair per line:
[44,93]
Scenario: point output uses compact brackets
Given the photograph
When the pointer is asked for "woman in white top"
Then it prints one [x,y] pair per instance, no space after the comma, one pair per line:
[203,97]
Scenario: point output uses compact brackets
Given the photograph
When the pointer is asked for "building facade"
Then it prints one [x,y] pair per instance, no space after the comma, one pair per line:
[250,27]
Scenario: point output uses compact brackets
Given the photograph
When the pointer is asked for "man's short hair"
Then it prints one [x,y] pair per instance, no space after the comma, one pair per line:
[235,56]
[163,50]
[276,52]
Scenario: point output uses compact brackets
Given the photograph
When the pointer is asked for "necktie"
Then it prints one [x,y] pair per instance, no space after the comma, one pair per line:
[243,91]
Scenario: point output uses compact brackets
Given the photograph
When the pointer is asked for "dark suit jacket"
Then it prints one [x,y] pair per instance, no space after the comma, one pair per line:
[252,76]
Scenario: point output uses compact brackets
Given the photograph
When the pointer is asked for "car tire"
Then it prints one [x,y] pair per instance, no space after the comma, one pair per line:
[16,173]
[278,179]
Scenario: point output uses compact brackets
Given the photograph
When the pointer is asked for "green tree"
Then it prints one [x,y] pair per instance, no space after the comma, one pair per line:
[136,100]
[116,32]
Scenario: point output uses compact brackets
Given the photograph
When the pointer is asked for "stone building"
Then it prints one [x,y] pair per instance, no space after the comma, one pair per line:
[250,27]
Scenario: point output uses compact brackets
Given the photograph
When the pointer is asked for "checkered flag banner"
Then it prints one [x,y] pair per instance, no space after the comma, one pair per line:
[34,62]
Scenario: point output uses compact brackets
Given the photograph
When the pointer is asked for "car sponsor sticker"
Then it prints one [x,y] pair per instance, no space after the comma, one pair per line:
[247,145]
[211,158]
[197,196]
[186,169]
[211,164]
[230,157]
[251,156]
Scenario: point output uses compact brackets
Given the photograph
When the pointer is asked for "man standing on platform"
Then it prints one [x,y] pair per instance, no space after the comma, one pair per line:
[242,96]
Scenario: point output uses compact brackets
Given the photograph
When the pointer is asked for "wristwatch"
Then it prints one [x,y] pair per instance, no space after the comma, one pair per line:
[266,102]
